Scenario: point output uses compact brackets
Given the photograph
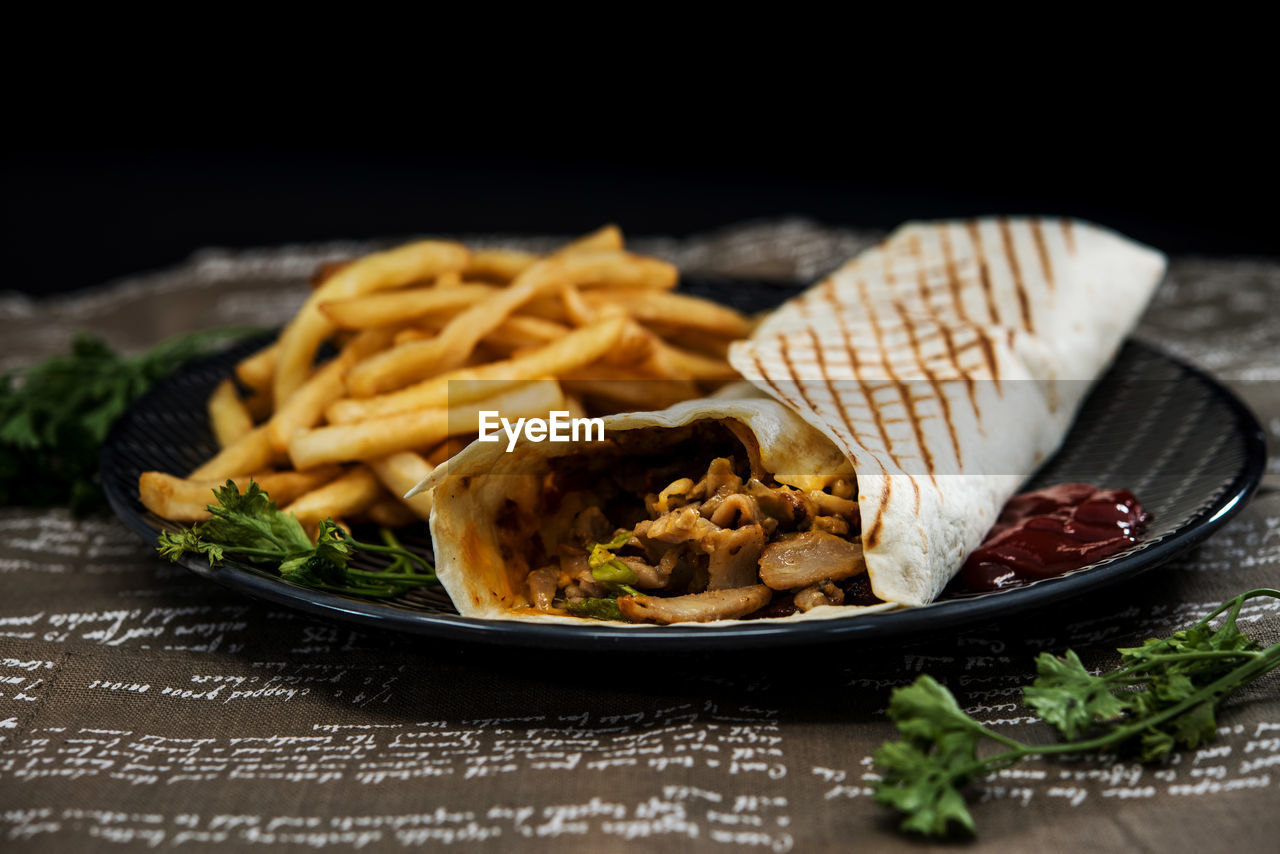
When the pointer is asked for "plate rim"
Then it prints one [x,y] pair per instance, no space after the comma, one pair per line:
[382,615]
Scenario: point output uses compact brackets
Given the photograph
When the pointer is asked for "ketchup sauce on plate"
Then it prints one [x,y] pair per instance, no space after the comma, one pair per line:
[1053,531]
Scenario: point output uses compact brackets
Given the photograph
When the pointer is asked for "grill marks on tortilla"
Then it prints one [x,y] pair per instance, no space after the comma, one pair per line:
[904,394]
[984,274]
[835,394]
[955,284]
[938,392]
[1011,255]
[1068,236]
[921,362]
[1042,250]
[830,295]
[764,375]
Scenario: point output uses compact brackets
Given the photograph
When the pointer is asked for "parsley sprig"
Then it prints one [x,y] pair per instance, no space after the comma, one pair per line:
[250,526]
[54,416]
[1161,697]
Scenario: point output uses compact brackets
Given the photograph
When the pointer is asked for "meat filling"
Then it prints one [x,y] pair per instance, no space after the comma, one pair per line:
[703,542]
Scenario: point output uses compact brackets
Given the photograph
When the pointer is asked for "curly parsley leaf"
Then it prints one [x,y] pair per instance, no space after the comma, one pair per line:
[1069,697]
[923,773]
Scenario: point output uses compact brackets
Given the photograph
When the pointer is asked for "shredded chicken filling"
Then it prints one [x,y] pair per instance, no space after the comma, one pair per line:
[725,542]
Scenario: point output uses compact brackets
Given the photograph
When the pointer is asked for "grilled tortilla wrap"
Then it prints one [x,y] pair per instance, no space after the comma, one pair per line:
[941,368]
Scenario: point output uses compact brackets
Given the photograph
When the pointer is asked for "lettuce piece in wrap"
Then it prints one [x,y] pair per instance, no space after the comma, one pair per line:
[912,390]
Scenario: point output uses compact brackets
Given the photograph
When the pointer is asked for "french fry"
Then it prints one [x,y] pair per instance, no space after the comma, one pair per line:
[574,406]
[251,452]
[578,348]
[184,500]
[390,513]
[519,331]
[453,345]
[229,418]
[420,428]
[608,238]
[448,449]
[677,362]
[327,269]
[348,495]
[259,405]
[449,279]
[626,388]
[305,407]
[395,307]
[646,352]
[401,472]
[676,310]
[576,307]
[500,264]
[258,371]
[404,265]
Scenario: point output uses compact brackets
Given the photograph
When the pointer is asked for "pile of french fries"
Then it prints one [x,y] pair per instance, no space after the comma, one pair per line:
[426,336]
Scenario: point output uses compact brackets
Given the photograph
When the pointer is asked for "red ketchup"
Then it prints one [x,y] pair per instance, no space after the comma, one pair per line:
[1053,531]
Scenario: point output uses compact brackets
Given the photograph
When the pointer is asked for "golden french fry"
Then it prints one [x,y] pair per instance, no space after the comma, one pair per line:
[412,333]
[448,449]
[546,308]
[420,428]
[229,418]
[348,495]
[580,347]
[448,279]
[501,264]
[394,268]
[401,472]
[258,371]
[390,513]
[696,340]
[626,389]
[327,269]
[251,452]
[184,500]
[394,307]
[674,310]
[677,362]
[576,307]
[608,237]
[644,351]
[259,405]
[304,408]
[453,345]
[519,331]
[573,405]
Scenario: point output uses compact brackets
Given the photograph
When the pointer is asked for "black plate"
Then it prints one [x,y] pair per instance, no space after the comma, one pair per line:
[1187,446]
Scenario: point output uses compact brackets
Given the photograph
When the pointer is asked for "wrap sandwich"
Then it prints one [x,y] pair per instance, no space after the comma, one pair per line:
[888,414]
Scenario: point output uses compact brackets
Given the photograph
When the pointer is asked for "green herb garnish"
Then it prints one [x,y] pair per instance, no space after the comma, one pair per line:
[1162,696]
[250,526]
[54,416]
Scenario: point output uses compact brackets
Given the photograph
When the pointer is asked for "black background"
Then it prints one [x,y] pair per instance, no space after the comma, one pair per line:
[82,208]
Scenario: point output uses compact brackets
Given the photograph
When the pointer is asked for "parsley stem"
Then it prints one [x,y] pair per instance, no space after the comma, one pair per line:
[1240,676]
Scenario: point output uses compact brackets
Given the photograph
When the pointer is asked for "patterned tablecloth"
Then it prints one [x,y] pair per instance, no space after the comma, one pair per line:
[142,707]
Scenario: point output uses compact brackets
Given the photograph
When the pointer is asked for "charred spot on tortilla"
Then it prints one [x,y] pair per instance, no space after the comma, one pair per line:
[683,524]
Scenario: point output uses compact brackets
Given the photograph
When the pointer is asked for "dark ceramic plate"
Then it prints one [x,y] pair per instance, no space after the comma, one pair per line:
[1190,450]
